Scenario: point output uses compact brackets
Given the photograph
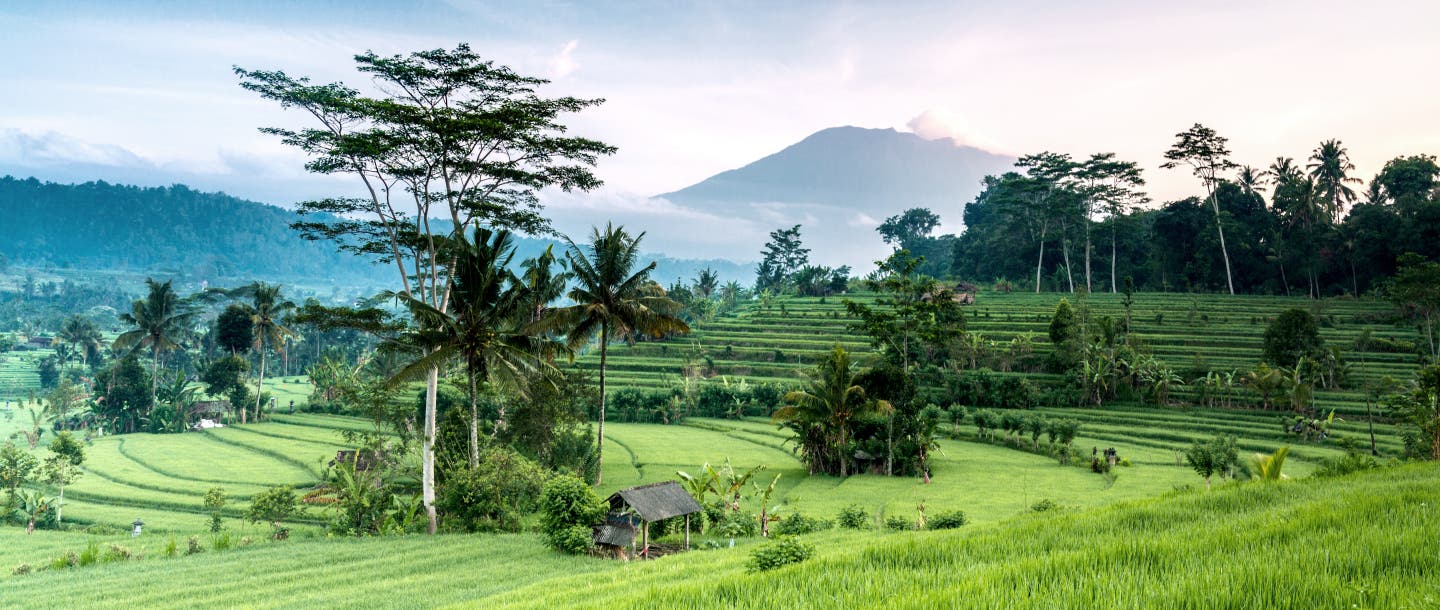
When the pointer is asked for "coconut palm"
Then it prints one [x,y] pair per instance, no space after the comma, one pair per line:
[707,282]
[545,278]
[825,408]
[81,334]
[1330,167]
[1250,180]
[267,310]
[1283,170]
[162,319]
[487,326]
[613,299]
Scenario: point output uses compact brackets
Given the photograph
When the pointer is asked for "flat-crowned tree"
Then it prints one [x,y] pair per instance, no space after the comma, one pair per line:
[445,134]
[1205,152]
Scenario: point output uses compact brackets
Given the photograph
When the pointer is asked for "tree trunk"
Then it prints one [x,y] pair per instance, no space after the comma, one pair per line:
[1224,252]
[1089,287]
[427,450]
[600,434]
[260,387]
[1112,266]
[60,508]
[475,426]
[1040,263]
[1065,251]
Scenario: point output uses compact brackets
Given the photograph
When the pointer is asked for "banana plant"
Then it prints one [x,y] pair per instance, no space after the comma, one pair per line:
[767,512]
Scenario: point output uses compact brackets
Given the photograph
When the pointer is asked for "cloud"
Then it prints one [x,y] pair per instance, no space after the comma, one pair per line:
[52,148]
[939,123]
[564,62]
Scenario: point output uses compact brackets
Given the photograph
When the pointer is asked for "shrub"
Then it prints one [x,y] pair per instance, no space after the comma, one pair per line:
[90,555]
[103,529]
[274,505]
[193,546]
[736,525]
[1293,334]
[68,560]
[568,506]
[116,553]
[1044,505]
[214,501]
[796,524]
[21,570]
[783,551]
[899,524]
[947,520]
[171,549]
[222,542]
[853,517]
[494,495]
[1351,462]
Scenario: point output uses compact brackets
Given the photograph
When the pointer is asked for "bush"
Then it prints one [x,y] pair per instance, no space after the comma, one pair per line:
[117,553]
[853,517]
[495,495]
[90,555]
[1044,505]
[193,546]
[947,520]
[899,524]
[1351,462]
[796,524]
[222,542]
[171,549]
[68,560]
[1294,334]
[783,551]
[21,570]
[567,506]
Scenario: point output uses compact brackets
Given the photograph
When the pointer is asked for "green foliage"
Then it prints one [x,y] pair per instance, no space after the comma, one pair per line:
[797,524]
[947,520]
[495,495]
[193,546]
[1216,456]
[1269,467]
[1044,505]
[1293,335]
[853,517]
[1417,407]
[214,502]
[16,466]
[780,552]
[568,505]
[898,523]
[274,505]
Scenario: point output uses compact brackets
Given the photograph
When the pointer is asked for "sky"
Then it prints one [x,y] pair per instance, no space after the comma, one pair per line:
[143,91]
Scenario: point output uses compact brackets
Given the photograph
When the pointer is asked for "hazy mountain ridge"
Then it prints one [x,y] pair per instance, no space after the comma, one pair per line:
[178,231]
[842,181]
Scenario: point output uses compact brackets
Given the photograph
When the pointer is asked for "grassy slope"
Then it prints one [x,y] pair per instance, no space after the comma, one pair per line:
[1363,541]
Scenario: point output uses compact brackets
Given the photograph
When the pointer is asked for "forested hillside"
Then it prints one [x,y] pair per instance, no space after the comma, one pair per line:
[175,230]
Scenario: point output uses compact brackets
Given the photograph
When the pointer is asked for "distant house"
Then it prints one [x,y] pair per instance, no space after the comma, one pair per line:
[39,343]
[638,507]
[962,293]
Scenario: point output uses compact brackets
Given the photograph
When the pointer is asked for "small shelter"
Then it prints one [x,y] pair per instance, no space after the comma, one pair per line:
[645,504]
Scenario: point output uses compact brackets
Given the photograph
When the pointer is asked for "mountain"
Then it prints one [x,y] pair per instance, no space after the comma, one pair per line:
[180,232]
[841,182]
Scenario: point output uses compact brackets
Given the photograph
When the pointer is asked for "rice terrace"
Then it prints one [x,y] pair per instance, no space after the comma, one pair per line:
[308,305]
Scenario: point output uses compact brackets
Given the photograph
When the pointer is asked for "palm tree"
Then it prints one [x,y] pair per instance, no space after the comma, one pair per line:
[267,309]
[1250,180]
[488,326]
[161,321]
[1330,167]
[707,282]
[613,299]
[81,333]
[1283,170]
[543,282]
[730,292]
[826,408]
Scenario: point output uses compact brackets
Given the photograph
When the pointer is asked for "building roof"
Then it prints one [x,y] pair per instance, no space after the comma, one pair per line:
[656,501]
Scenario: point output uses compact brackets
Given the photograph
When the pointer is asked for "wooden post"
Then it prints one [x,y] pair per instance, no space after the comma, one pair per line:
[687,531]
[645,539]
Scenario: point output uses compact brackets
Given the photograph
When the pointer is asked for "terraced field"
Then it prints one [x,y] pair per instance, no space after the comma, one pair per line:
[19,375]
[1215,332]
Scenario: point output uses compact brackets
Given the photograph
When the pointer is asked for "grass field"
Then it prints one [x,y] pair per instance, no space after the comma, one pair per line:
[1364,541]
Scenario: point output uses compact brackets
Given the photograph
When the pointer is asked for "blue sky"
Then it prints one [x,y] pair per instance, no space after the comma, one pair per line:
[143,92]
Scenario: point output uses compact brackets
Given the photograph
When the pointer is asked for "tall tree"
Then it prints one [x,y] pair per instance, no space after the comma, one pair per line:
[614,299]
[707,282]
[1330,167]
[1251,181]
[81,333]
[1205,152]
[448,134]
[162,320]
[267,311]
[545,279]
[1112,187]
[821,413]
[1042,197]
[488,327]
[783,255]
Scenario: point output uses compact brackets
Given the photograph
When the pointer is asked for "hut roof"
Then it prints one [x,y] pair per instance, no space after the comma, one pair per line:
[656,501]
[211,406]
[614,535]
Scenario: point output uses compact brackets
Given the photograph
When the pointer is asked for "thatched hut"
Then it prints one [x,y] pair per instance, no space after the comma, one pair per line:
[638,507]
